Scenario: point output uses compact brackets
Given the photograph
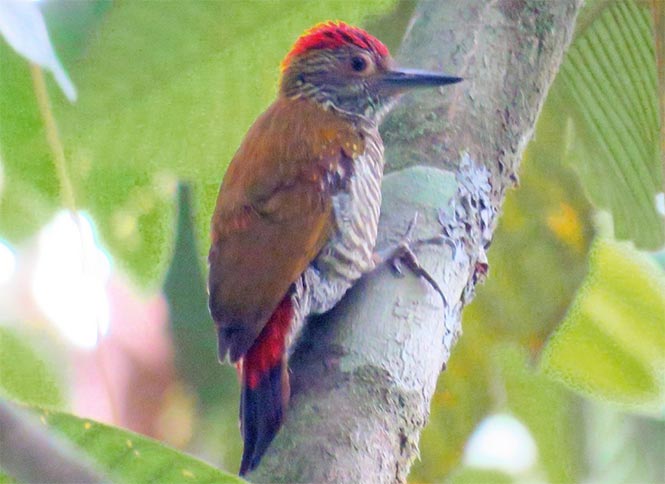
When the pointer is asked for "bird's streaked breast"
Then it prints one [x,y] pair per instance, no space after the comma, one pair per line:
[348,253]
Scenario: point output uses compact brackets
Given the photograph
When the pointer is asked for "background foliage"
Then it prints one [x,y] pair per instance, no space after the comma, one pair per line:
[568,334]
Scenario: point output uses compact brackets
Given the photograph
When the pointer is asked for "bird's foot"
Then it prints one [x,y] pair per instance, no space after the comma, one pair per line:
[402,254]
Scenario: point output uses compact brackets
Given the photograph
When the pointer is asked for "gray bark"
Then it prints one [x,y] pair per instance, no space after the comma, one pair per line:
[364,374]
[30,453]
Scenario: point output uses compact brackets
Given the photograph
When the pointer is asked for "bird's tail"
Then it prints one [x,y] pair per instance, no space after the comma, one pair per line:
[265,386]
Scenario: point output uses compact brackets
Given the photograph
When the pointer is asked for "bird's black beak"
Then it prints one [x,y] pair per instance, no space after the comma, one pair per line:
[404,79]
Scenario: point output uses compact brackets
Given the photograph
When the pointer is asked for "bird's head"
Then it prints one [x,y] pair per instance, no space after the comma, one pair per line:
[344,67]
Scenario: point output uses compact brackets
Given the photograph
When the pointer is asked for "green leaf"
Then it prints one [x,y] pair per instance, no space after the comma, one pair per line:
[611,344]
[128,457]
[23,375]
[166,92]
[608,88]
[22,26]
[29,192]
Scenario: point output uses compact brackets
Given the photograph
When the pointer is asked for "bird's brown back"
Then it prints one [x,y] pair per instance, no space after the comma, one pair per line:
[274,213]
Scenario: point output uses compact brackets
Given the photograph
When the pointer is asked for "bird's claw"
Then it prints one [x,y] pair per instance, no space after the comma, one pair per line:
[402,254]
[405,255]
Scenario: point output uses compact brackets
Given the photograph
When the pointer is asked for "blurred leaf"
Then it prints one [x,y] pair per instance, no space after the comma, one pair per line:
[128,457]
[538,261]
[194,334]
[612,343]
[589,14]
[22,25]
[30,189]
[549,412]
[538,256]
[609,89]
[195,342]
[165,93]
[23,375]
[29,196]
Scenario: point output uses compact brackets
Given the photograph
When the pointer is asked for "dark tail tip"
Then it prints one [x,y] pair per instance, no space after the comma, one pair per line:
[262,406]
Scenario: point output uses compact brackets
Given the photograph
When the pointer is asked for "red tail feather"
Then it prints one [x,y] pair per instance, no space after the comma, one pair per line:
[265,386]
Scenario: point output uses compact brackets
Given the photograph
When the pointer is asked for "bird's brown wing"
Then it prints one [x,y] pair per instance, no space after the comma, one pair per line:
[274,214]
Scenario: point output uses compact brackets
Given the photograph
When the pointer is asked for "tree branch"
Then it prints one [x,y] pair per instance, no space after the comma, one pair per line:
[364,375]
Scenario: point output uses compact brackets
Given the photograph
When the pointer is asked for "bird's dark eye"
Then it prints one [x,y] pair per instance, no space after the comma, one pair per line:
[358,63]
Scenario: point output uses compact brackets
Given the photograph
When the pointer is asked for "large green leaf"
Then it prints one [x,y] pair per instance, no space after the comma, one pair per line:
[23,375]
[611,344]
[166,91]
[608,89]
[128,457]
[124,455]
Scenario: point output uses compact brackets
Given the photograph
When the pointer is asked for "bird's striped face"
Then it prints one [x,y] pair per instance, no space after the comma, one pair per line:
[338,66]
[345,68]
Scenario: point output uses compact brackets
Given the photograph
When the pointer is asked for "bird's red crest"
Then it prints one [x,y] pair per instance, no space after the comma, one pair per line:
[332,35]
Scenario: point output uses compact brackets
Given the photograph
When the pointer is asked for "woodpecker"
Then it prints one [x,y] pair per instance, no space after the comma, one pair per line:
[297,213]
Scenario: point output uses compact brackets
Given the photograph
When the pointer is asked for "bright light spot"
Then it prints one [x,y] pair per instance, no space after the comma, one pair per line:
[660,203]
[501,442]
[70,279]
[7,263]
